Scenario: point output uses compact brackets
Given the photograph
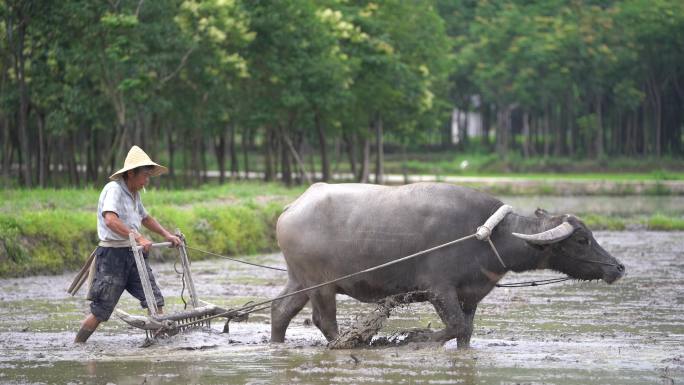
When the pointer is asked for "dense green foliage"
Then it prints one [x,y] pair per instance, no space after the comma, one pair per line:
[190,80]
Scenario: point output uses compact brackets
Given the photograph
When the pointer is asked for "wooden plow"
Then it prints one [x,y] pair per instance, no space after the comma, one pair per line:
[198,314]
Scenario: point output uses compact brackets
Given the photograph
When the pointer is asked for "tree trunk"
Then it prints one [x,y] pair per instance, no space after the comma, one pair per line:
[220,150]
[599,128]
[203,159]
[617,135]
[91,157]
[404,160]
[233,154]
[184,171]
[245,151]
[463,142]
[628,143]
[380,154]
[277,143]
[42,156]
[195,161]
[6,148]
[311,158]
[363,174]
[5,145]
[285,170]
[351,151]
[572,141]
[547,141]
[526,135]
[171,149]
[289,146]
[534,127]
[486,122]
[335,167]
[73,165]
[503,130]
[657,103]
[643,130]
[325,164]
[268,155]
[560,130]
[19,67]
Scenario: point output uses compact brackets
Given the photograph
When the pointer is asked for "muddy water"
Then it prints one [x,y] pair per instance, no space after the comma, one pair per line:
[631,332]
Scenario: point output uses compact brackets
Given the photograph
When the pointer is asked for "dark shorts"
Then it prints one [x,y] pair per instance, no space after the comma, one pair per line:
[116,271]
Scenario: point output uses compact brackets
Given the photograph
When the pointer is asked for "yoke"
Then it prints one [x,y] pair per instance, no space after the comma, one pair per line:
[200,312]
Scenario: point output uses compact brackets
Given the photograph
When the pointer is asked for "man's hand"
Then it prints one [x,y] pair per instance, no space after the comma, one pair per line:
[175,241]
[153,225]
[144,242]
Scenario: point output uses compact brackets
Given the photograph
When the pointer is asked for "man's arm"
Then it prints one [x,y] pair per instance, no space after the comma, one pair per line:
[153,225]
[114,223]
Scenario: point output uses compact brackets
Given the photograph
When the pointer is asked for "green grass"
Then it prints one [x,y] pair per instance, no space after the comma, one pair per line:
[663,222]
[656,222]
[45,231]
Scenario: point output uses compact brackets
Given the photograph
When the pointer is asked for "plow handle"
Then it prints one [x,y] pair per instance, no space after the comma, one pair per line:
[158,245]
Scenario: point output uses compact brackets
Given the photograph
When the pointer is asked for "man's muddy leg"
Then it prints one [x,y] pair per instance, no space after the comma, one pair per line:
[88,326]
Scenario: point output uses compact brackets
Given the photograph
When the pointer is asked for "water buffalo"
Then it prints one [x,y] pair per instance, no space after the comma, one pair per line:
[334,230]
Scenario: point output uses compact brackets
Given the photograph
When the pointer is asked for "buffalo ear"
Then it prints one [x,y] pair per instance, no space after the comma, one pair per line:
[541,213]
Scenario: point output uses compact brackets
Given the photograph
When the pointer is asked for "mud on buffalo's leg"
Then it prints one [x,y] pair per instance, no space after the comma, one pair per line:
[284,309]
[449,309]
[324,311]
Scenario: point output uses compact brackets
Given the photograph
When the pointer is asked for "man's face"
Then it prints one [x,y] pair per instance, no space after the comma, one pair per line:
[137,180]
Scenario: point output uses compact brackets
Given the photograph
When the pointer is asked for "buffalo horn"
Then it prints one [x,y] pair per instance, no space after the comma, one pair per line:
[556,234]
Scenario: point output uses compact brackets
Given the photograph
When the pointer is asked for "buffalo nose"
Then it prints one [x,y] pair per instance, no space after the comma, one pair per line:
[620,267]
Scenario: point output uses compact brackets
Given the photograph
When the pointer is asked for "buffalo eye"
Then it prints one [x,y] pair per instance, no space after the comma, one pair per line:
[583,241]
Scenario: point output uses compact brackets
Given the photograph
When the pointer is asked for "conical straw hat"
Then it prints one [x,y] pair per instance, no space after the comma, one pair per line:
[136,158]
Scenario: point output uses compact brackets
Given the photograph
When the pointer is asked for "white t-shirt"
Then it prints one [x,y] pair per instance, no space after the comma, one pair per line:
[116,197]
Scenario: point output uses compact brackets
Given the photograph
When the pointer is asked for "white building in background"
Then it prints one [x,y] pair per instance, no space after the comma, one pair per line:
[470,121]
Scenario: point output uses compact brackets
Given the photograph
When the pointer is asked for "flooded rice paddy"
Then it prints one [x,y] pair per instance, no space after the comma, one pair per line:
[631,332]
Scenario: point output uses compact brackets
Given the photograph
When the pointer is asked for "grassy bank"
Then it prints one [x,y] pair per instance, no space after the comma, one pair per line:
[50,231]
[656,222]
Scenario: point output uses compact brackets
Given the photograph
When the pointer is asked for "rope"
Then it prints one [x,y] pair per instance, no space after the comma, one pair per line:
[182,274]
[512,284]
[235,260]
[533,283]
[496,252]
[484,235]
[250,309]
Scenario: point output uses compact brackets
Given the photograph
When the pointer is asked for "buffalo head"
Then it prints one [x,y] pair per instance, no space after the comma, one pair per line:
[571,249]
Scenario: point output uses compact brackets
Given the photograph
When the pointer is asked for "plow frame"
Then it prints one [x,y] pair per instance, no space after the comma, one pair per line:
[169,323]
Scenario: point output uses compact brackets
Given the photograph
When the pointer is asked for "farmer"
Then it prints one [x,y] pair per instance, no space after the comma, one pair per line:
[120,212]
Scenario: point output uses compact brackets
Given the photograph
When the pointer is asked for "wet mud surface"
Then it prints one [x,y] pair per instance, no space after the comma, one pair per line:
[631,332]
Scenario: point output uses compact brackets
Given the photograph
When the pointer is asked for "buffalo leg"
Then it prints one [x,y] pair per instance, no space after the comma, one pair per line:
[324,313]
[283,310]
[450,312]
[469,315]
